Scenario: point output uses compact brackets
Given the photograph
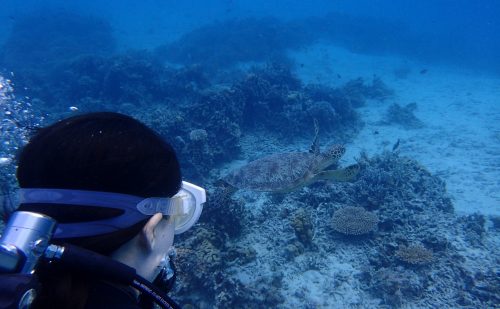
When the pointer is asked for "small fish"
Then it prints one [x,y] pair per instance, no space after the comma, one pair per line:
[339,76]
[396,146]
[423,71]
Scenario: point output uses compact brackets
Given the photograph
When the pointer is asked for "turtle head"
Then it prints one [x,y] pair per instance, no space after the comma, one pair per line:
[332,155]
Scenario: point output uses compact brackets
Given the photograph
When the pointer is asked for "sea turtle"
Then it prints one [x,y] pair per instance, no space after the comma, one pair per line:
[285,172]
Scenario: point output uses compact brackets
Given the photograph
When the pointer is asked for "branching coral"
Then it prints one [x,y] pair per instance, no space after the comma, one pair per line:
[354,221]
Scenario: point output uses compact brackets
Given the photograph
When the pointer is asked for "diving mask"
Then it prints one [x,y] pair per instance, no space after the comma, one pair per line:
[185,207]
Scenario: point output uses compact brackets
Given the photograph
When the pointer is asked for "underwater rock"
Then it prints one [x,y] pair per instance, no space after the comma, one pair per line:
[293,250]
[303,227]
[403,116]
[358,91]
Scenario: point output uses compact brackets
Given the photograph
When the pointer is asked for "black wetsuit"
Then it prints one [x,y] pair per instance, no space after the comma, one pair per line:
[109,295]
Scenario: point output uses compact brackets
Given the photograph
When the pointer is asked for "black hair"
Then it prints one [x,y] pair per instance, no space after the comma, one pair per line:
[103,151]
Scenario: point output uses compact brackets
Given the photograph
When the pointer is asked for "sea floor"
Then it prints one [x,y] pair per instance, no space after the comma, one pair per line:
[460,111]
[459,142]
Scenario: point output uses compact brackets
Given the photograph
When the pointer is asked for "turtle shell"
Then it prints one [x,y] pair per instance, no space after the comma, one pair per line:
[277,172]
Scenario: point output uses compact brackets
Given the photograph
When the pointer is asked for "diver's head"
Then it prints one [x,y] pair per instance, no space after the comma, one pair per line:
[98,152]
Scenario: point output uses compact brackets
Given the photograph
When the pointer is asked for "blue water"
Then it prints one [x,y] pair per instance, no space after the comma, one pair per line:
[463,32]
[409,87]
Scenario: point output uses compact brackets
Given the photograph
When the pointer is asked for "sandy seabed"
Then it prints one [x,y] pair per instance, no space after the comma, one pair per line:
[460,110]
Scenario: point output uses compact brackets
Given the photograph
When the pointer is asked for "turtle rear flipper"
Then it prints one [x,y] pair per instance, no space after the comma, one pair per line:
[344,174]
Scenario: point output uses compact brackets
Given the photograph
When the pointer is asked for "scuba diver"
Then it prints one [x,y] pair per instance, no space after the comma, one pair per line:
[101,198]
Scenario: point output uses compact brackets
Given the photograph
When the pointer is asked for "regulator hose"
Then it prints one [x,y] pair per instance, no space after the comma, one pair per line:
[106,268]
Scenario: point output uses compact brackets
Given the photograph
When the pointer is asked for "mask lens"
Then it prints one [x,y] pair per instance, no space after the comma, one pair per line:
[187,216]
[185,207]
[186,213]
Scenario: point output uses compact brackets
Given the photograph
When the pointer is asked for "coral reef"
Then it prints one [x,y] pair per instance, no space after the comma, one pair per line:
[229,42]
[400,183]
[203,259]
[354,221]
[199,150]
[397,286]
[249,250]
[223,212]
[475,229]
[412,207]
[276,100]
[415,254]
[303,227]
[176,101]
[134,78]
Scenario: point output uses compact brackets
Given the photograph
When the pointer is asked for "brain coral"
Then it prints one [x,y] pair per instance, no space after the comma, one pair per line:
[354,221]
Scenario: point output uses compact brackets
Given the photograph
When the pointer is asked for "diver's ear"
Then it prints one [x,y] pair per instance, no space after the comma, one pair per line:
[147,237]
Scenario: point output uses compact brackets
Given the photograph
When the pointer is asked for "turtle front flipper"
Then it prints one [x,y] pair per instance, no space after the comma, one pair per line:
[315,144]
[344,174]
